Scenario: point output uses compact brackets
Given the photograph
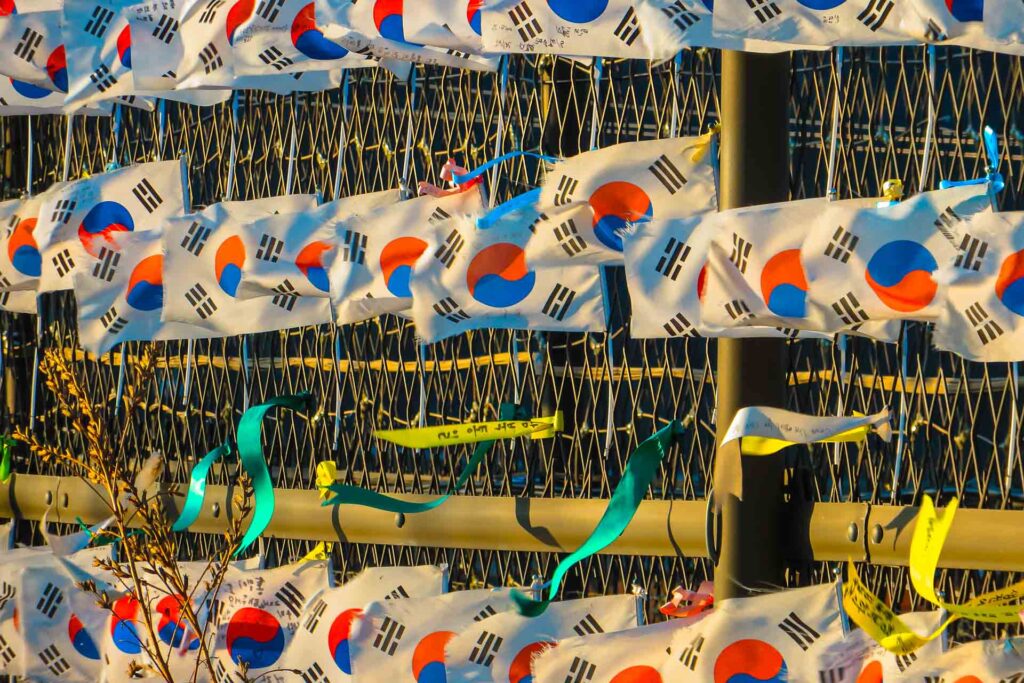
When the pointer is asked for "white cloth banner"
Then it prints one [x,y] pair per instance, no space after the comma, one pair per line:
[880,665]
[977,662]
[445,24]
[778,424]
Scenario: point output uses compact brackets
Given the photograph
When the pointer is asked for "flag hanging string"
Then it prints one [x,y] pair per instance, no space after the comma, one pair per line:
[338,346]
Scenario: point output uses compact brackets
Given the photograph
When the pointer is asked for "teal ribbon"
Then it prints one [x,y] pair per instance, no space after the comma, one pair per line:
[640,470]
[518,202]
[197,487]
[462,178]
[6,443]
[357,495]
[993,176]
[250,451]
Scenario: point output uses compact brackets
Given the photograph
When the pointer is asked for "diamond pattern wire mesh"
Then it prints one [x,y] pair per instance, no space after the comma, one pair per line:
[373,375]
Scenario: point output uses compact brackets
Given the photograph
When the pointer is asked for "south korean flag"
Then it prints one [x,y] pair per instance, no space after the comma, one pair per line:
[881,665]
[446,24]
[624,186]
[965,23]
[471,279]
[295,251]
[32,49]
[20,258]
[502,648]
[18,100]
[982,660]
[321,647]
[76,223]
[376,251]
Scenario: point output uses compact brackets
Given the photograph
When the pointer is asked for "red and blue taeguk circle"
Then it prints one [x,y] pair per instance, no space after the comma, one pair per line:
[124,631]
[254,636]
[387,17]
[337,639]
[966,10]
[146,288]
[428,658]
[900,273]
[238,15]
[310,262]
[784,285]
[1010,282]
[520,670]
[310,40]
[22,249]
[499,277]
[821,5]
[228,263]
[171,626]
[637,674]
[474,15]
[124,47]
[397,259]
[578,11]
[57,69]
[750,661]
[101,223]
[616,205]
[81,640]
[29,90]
[872,673]
[7,8]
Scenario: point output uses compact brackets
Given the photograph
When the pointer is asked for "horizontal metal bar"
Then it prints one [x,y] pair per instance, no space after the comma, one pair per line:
[830,532]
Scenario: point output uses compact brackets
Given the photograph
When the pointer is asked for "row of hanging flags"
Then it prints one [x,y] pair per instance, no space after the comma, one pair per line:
[294,623]
[83,54]
[143,267]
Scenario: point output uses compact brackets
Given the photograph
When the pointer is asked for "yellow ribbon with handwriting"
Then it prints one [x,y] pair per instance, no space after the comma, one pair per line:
[766,445]
[473,432]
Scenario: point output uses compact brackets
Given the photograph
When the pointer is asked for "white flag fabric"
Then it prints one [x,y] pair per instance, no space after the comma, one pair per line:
[295,251]
[471,279]
[19,302]
[19,99]
[402,640]
[320,648]
[445,24]
[204,262]
[781,427]
[999,661]
[880,665]
[635,655]
[875,264]
[257,613]
[501,649]
[1004,20]
[88,211]
[376,252]
[792,635]
[628,184]
[32,51]
[20,258]
[982,314]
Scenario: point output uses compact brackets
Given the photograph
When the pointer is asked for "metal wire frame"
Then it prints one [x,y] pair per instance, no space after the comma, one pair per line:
[960,438]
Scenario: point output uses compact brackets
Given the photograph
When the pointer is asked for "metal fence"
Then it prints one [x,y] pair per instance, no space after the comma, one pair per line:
[858,118]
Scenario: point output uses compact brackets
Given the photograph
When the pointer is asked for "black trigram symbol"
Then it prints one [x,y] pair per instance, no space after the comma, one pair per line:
[314,674]
[487,646]
[353,247]
[99,21]
[201,301]
[934,32]
[438,216]
[315,613]
[580,671]
[147,195]
[50,600]
[875,13]
[802,634]
[764,10]
[170,73]
[273,57]
[457,54]
[524,21]
[588,626]
[397,594]
[849,310]
[904,661]
[210,58]
[447,252]
[214,610]
[103,79]
[63,263]
[832,675]
[738,310]
[559,302]
[166,29]
[269,9]
[29,43]
[62,210]
[53,660]
[671,262]
[270,248]
[740,252]
[7,593]
[569,238]
[946,222]
[680,15]
[112,321]
[12,223]
[6,652]
[971,253]
[842,245]
[691,653]
[789,332]
[5,284]
[3,102]
[566,187]
[210,11]
[286,297]
[1013,678]
[668,174]
[221,671]
[389,636]
[628,29]
[4,298]
[195,238]
[679,326]
[291,597]
[486,612]
[129,100]
[106,266]
[451,311]
[988,330]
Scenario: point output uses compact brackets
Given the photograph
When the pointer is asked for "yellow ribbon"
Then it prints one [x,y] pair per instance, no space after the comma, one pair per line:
[320,552]
[473,432]
[703,143]
[892,189]
[766,445]
[326,474]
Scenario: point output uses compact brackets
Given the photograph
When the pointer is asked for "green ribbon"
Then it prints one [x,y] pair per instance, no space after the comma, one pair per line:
[640,470]
[357,495]
[250,451]
[197,487]
[6,443]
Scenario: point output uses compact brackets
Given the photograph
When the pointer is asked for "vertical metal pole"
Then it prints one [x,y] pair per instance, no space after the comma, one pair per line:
[754,170]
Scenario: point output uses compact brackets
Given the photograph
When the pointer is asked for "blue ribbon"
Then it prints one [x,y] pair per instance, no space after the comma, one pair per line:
[518,202]
[483,168]
[993,176]
[197,487]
